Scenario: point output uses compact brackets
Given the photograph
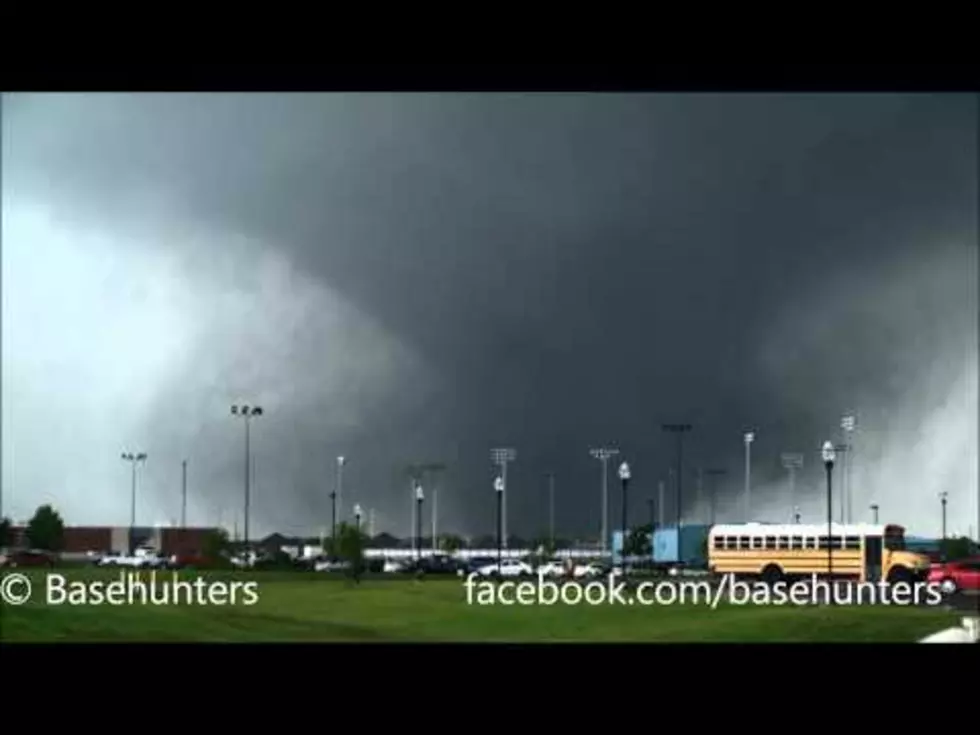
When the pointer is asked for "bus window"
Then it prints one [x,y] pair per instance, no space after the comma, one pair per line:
[770,542]
[852,542]
[745,542]
[783,542]
[719,542]
[834,542]
[731,542]
[796,542]
[894,538]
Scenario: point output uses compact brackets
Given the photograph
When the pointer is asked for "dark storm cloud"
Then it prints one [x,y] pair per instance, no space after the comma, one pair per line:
[555,270]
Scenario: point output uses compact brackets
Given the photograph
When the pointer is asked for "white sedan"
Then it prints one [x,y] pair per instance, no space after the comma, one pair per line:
[587,570]
[508,568]
[553,568]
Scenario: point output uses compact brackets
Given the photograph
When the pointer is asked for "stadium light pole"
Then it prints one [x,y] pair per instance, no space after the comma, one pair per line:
[842,450]
[134,459]
[748,437]
[341,461]
[714,473]
[551,510]
[358,514]
[247,413]
[679,430]
[419,499]
[792,461]
[603,454]
[848,423]
[624,479]
[333,522]
[498,486]
[942,500]
[796,515]
[874,513]
[829,455]
[502,456]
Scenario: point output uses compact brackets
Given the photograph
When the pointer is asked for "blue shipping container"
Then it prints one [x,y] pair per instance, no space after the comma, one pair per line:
[687,547]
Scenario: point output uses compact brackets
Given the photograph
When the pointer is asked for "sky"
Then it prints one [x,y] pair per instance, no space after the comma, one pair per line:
[407,278]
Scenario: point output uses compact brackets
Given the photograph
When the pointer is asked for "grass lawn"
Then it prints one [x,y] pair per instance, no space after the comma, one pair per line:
[307,607]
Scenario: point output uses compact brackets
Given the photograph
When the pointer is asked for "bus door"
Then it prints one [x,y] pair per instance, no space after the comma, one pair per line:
[872,558]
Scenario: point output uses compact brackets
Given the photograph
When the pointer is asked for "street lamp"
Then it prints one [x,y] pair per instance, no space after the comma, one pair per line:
[498,486]
[419,499]
[829,455]
[624,478]
[792,461]
[134,459]
[357,517]
[603,454]
[247,413]
[501,457]
[748,438]
[333,523]
[679,430]
[874,513]
[796,515]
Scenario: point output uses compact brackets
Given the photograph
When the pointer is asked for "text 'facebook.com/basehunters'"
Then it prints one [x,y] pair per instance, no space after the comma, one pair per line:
[728,590]
[131,588]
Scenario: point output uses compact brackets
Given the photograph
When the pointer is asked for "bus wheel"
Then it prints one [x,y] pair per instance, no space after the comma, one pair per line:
[899,574]
[772,574]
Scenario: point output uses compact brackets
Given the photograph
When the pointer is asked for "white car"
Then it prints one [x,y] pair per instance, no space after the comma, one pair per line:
[393,566]
[507,568]
[142,558]
[553,568]
[586,570]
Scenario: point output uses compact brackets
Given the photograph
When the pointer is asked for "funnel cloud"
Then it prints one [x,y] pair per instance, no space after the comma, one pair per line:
[409,278]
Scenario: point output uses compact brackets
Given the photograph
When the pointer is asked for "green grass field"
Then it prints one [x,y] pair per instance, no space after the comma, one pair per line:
[306,607]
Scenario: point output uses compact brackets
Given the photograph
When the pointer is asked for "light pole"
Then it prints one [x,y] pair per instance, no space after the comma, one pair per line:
[841,449]
[358,514]
[183,494]
[848,423]
[603,454]
[419,499]
[942,499]
[341,461]
[333,523]
[714,473]
[498,486]
[874,513]
[660,504]
[699,495]
[679,430]
[748,437]
[792,461]
[551,510]
[134,459]
[829,455]
[247,413]
[624,478]
[796,515]
[501,457]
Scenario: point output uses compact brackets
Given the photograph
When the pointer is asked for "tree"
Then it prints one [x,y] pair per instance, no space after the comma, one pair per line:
[216,545]
[6,532]
[952,549]
[350,546]
[450,543]
[639,542]
[46,530]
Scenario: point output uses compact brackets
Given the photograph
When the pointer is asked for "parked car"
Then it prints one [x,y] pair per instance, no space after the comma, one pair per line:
[394,566]
[553,568]
[30,558]
[588,570]
[435,564]
[507,568]
[956,576]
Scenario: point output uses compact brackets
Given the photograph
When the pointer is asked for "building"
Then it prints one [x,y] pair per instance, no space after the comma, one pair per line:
[86,540]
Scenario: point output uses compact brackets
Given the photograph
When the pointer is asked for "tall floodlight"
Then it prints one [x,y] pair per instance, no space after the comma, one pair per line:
[848,423]
[841,451]
[247,413]
[792,461]
[679,430]
[134,459]
[341,461]
[603,454]
[502,456]
[748,437]
[624,479]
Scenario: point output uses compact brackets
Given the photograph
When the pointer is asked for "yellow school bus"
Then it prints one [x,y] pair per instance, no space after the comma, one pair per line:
[773,552]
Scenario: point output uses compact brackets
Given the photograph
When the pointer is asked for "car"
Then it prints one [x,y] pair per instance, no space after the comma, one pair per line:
[30,558]
[394,566]
[587,570]
[325,564]
[553,568]
[956,576]
[507,568]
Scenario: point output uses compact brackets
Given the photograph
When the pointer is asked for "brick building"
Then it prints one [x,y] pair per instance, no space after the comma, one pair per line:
[103,539]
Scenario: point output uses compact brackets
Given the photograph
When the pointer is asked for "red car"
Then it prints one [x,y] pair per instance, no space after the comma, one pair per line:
[956,576]
[30,558]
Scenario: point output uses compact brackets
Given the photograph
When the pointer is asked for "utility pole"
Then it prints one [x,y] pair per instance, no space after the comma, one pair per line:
[183,495]
[700,493]
[792,461]
[603,454]
[435,515]
[660,504]
[714,474]
[748,438]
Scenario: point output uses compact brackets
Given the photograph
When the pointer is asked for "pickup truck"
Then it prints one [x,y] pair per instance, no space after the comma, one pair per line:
[141,558]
